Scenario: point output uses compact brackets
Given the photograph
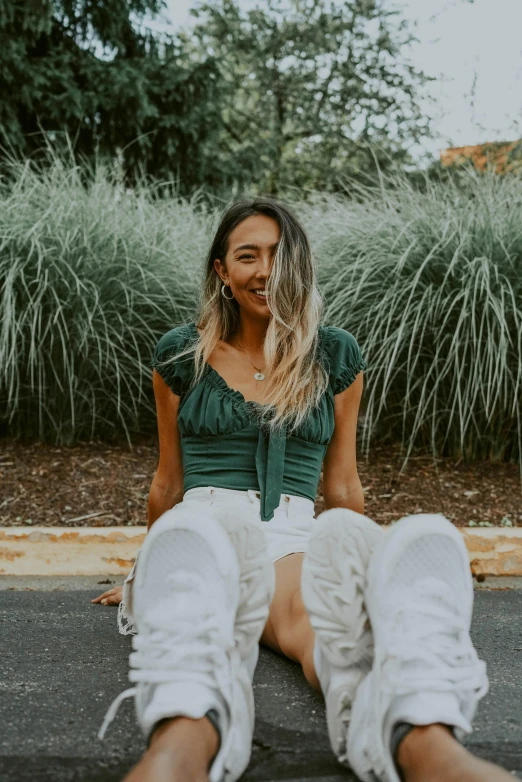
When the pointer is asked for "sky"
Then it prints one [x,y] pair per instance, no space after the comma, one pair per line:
[475,52]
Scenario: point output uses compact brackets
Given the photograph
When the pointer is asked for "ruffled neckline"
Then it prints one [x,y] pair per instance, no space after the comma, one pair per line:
[218,381]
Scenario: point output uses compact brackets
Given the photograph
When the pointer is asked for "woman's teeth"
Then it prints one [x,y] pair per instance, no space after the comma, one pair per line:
[260,293]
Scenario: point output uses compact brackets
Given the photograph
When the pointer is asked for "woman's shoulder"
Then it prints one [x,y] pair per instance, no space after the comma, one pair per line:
[337,342]
[175,340]
[175,369]
[342,356]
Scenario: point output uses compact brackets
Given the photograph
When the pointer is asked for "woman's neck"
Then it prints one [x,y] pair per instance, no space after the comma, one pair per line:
[251,333]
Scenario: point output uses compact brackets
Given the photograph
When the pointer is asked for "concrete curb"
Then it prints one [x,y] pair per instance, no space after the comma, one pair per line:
[494,551]
[68,551]
[89,551]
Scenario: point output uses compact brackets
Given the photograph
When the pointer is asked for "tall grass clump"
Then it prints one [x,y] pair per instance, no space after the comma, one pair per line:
[90,276]
[431,284]
[428,280]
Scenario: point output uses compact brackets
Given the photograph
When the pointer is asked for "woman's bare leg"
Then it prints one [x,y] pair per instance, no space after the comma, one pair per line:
[431,754]
[288,630]
[427,754]
[220,555]
[180,750]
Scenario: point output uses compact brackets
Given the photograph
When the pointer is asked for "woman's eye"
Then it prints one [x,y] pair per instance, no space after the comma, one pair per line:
[244,256]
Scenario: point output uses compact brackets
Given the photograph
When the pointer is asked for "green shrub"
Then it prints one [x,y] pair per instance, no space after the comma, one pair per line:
[431,284]
[428,279]
[90,276]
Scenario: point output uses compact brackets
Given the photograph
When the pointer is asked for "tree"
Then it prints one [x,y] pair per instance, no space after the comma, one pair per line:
[317,89]
[289,94]
[92,69]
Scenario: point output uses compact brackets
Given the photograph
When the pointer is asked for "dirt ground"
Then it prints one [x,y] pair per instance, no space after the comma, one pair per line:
[94,484]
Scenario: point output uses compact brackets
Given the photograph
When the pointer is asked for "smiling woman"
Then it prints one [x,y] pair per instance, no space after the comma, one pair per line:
[249,271]
[251,401]
[270,446]
[269,309]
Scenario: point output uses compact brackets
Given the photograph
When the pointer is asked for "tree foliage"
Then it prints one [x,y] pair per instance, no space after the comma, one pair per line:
[92,69]
[317,89]
[286,94]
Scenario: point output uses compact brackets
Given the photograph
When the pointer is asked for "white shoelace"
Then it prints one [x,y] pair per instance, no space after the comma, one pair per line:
[435,639]
[193,648]
[430,651]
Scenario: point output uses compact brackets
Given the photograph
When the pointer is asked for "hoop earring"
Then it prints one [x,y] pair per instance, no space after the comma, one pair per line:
[228,298]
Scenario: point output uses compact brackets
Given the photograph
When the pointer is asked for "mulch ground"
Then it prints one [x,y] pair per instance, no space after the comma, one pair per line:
[98,485]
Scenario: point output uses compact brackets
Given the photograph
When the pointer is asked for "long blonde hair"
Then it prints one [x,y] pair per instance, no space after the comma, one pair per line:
[297,378]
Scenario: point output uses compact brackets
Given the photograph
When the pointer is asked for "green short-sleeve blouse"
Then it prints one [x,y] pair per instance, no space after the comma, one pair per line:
[222,443]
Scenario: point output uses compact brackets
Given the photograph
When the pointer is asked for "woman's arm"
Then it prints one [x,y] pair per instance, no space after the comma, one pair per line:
[166,489]
[167,485]
[341,483]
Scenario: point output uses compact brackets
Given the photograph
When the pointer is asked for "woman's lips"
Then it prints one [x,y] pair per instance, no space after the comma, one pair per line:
[260,298]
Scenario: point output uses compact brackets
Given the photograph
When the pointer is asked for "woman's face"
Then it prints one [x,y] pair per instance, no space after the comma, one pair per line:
[251,248]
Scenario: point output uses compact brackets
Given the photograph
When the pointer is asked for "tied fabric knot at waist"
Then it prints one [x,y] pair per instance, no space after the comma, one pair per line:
[270,465]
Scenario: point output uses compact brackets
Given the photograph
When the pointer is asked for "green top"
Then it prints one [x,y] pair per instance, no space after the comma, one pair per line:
[222,443]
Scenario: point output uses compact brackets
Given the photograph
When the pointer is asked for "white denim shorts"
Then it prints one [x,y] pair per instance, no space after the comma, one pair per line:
[286,533]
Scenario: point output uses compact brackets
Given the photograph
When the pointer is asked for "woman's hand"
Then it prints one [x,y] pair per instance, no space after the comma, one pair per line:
[112,597]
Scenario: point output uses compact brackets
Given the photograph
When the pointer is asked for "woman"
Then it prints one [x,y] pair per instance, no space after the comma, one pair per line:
[251,402]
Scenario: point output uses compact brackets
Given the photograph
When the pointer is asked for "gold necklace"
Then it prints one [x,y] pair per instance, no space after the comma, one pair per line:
[259,375]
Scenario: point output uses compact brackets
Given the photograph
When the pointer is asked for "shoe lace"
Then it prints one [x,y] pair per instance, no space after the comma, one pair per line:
[191,648]
[430,650]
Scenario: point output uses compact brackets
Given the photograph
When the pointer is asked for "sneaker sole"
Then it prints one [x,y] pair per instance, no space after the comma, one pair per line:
[208,530]
[333,584]
[256,570]
[411,528]
[257,580]
[386,551]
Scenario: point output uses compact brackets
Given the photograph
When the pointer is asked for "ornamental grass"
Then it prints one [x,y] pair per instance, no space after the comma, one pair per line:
[428,280]
[90,275]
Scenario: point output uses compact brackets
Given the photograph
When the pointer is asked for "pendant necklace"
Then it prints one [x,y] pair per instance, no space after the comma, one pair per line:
[259,375]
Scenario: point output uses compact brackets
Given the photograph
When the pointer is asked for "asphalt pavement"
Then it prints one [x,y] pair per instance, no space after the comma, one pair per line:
[62,662]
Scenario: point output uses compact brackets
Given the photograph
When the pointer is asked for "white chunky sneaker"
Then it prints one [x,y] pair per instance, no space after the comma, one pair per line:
[332,585]
[426,670]
[257,585]
[199,605]
[256,582]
